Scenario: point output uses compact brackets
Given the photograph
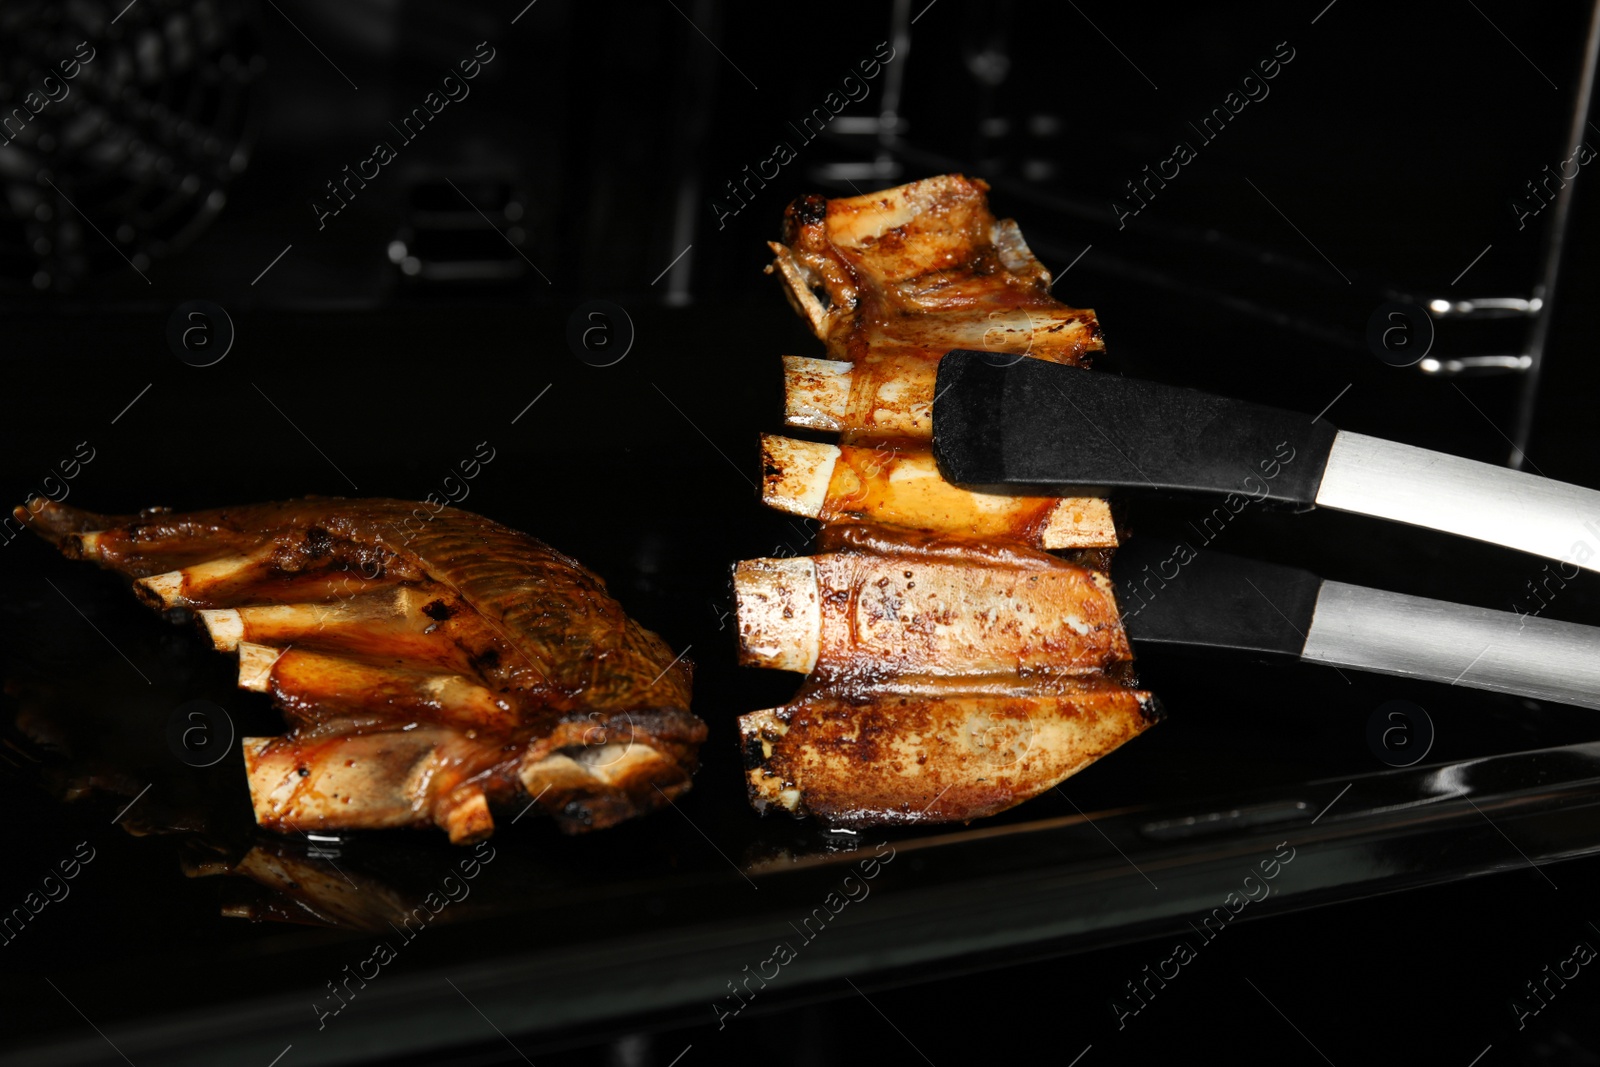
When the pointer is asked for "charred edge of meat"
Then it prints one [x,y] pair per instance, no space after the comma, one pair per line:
[807,210]
[753,752]
[877,539]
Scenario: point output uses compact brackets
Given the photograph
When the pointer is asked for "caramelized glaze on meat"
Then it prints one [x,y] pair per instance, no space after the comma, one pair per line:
[918,270]
[428,670]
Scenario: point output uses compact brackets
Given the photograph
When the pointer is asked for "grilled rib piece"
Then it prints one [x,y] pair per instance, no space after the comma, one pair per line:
[427,670]
[953,668]
[915,271]
[902,616]
[932,757]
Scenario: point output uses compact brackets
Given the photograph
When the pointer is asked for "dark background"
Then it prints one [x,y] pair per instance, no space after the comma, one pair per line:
[590,162]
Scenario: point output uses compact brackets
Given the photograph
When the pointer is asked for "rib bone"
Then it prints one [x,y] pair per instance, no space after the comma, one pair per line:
[301,681]
[905,617]
[816,393]
[780,620]
[383,780]
[198,585]
[390,622]
[902,487]
[881,395]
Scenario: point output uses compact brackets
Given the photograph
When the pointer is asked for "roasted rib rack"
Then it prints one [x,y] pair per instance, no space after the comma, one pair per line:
[954,667]
[429,670]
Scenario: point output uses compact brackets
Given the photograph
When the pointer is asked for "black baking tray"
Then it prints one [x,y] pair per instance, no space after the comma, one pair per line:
[646,471]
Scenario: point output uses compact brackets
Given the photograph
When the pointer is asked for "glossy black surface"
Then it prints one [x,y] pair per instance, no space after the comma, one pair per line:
[1003,424]
[1170,594]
